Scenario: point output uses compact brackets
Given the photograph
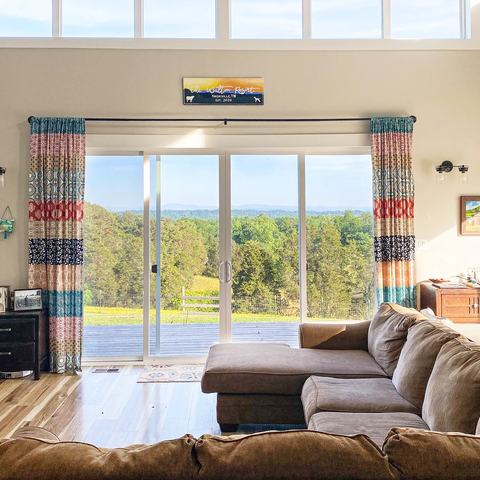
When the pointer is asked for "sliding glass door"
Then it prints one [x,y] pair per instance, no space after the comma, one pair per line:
[185,230]
[339,237]
[264,248]
[113,239]
[240,247]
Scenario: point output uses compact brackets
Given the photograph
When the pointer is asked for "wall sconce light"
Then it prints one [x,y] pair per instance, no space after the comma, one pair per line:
[446,167]
[2,176]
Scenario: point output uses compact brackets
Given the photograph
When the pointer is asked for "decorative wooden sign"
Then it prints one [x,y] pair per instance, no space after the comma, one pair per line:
[223,91]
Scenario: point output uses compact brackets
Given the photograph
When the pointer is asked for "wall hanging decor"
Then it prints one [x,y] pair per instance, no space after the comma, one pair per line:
[470,215]
[221,91]
[6,222]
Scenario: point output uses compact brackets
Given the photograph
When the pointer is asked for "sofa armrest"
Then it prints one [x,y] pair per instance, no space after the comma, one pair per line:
[332,336]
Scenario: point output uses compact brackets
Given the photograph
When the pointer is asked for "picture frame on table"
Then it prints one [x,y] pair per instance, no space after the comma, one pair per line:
[27,299]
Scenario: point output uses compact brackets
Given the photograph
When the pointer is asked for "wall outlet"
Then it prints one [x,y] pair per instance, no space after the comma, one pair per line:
[421,244]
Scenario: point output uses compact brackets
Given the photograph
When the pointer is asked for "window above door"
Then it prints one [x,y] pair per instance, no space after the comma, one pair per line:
[238,24]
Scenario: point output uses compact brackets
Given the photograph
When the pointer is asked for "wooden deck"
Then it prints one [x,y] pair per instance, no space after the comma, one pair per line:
[193,339]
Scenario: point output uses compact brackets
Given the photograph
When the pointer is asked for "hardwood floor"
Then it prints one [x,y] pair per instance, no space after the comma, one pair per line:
[107,409]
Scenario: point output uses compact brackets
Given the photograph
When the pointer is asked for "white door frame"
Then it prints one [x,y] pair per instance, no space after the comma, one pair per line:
[224,146]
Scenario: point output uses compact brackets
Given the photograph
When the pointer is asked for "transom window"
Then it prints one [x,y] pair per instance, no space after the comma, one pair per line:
[180,19]
[355,19]
[426,19]
[266,19]
[26,18]
[98,18]
[237,19]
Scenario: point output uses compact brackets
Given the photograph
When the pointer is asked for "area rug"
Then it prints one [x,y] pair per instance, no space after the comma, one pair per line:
[171,373]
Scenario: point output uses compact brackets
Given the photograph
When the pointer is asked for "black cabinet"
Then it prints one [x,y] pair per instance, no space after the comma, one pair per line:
[24,341]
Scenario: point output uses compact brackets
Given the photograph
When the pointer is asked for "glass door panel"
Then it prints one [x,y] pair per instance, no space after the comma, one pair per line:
[265,268]
[339,224]
[113,262]
[185,297]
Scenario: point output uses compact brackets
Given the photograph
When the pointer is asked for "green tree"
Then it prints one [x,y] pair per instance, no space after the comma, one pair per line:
[183,255]
[327,291]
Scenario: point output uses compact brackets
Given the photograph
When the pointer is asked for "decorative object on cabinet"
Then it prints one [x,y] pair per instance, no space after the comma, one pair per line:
[461,305]
[4,299]
[6,224]
[470,215]
[27,299]
[23,343]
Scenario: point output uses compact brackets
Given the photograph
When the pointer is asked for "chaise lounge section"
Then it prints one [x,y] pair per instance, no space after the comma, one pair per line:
[401,370]
[262,383]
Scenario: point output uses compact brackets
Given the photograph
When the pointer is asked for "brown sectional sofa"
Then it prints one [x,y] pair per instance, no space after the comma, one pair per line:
[395,371]
[406,454]
[370,394]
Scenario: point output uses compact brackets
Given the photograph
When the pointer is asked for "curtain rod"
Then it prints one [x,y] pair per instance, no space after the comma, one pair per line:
[226,120]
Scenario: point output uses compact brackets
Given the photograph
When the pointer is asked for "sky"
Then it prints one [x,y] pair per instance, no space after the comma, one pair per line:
[253,19]
[193,181]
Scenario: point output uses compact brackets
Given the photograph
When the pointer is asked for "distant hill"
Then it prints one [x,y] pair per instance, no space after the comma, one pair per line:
[251,213]
[265,208]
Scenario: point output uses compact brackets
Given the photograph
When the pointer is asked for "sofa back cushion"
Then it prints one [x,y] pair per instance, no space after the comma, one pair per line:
[388,332]
[452,398]
[24,458]
[423,455]
[292,454]
[424,341]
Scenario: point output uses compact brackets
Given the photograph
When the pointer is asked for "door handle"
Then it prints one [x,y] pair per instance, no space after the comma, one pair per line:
[5,329]
[229,272]
[4,354]
[220,272]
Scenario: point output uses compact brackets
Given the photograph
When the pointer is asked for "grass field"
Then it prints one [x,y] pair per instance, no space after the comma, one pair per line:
[134,316]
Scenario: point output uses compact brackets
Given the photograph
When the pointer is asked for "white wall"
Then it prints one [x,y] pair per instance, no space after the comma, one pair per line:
[440,87]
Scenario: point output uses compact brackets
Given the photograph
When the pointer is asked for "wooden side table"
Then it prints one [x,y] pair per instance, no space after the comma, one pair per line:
[461,305]
[24,341]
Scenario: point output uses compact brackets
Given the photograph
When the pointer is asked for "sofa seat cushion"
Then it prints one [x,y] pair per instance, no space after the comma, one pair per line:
[358,395]
[271,368]
[293,455]
[423,455]
[452,398]
[375,425]
[415,365]
[388,332]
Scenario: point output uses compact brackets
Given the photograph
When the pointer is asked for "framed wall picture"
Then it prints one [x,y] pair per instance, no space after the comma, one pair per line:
[27,299]
[470,215]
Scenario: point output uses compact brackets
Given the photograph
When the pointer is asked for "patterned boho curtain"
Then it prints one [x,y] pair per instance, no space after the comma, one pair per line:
[55,232]
[393,197]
